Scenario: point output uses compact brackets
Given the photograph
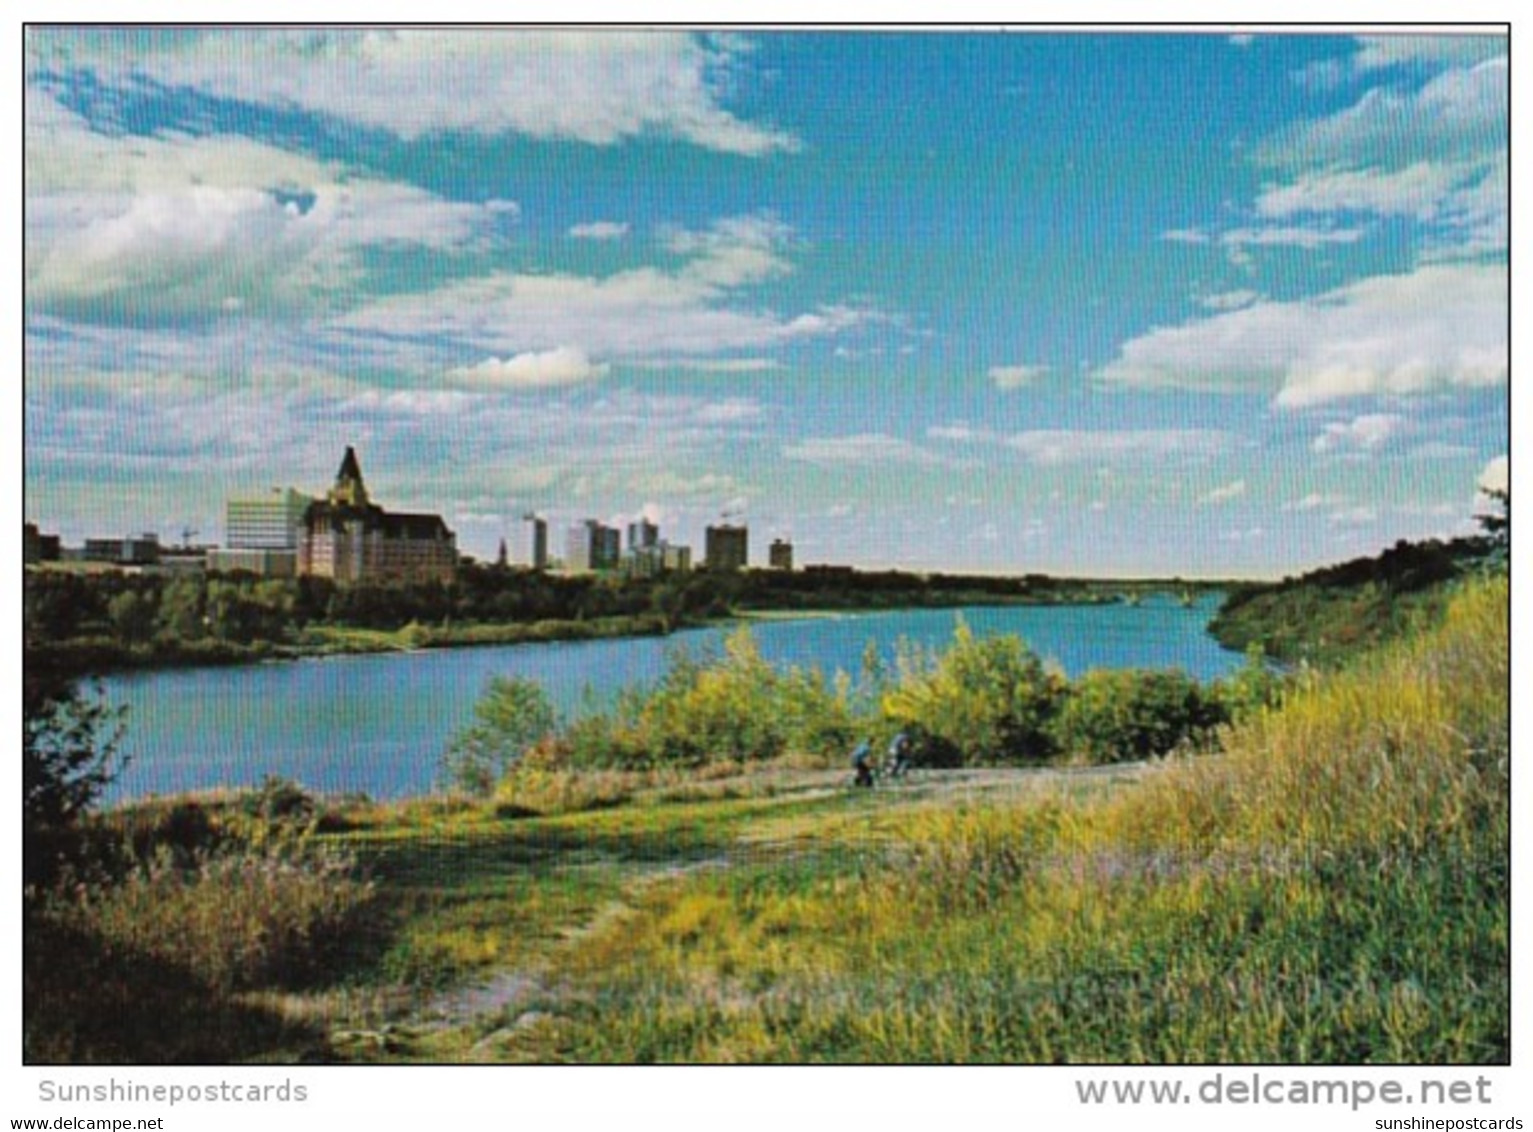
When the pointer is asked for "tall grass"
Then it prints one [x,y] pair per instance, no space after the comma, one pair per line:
[170,911]
[1331,888]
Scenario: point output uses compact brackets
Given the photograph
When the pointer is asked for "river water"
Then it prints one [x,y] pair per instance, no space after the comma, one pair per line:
[377,724]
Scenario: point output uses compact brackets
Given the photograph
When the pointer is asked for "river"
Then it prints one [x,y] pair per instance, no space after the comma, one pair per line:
[377,724]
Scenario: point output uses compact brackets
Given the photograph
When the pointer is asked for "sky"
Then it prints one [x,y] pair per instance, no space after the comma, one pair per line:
[1080,303]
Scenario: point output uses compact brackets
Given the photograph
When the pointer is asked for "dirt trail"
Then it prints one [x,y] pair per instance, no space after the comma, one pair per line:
[527,997]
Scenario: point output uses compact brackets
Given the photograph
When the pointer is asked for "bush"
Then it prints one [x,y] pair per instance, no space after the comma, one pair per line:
[236,917]
[1117,715]
[511,716]
[983,700]
[733,708]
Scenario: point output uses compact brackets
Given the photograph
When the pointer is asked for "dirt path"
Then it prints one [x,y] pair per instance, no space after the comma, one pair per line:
[509,1006]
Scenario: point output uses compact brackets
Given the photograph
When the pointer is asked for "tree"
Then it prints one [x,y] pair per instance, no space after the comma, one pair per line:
[511,716]
[69,751]
[1498,527]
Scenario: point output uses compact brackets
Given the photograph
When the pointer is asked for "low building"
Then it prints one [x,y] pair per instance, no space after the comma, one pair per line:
[144,550]
[350,538]
[38,547]
[659,558]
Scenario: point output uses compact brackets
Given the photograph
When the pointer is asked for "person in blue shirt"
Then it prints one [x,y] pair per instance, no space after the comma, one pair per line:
[900,755]
[862,763]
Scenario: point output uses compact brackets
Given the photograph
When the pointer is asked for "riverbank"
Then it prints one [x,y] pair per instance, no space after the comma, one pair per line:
[1293,897]
[101,655]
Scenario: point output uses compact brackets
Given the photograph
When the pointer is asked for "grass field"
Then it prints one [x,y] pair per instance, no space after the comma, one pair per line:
[1330,886]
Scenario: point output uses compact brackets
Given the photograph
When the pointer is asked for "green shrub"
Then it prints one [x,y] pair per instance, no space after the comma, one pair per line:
[732,708]
[511,716]
[983,700]
[1113,715]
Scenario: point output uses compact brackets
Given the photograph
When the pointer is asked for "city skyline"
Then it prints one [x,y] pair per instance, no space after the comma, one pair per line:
[1114,304]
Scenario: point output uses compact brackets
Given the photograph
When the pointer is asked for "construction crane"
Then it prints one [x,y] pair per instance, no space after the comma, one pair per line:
[187,534]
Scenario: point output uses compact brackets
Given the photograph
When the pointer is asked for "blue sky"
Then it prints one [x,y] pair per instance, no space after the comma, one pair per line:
[1205,304]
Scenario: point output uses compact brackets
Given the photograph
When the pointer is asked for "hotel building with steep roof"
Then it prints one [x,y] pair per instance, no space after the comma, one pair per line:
[348,537]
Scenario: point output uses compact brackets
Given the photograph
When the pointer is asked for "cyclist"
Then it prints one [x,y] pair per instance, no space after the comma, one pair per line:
[862,763]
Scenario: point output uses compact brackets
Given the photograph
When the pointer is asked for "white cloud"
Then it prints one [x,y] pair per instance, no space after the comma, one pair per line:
[1416,190]
[1315,501]
[734,251]
[1458,115]
[638,315]
[1366,433]
[1439,326]
[1015,377]
[1496,475]
[1229,300]
[714,365]
[566,365]
[1380,51]
[1054,447]
[960,433]
[1186,236]
[1225,494]
[600,230]
[1242,40]
[1289,236]
[1354,517]
[598,87]
[157,229]
[870,449]
[1440,450]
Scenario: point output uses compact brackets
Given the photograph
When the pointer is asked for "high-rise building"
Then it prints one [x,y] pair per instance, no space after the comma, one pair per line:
[726,547]
[537,551]
[609,547]
[780,554]
[591,545]
[271,521]
[643,535]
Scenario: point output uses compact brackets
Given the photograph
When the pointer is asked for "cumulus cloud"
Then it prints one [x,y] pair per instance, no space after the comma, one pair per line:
[734,251]
[1496,475]
[1458,115]
[1366,433]
[1416,190]
[171,255]
[597,87]
[154,230]
[1439,326]
[566,365]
